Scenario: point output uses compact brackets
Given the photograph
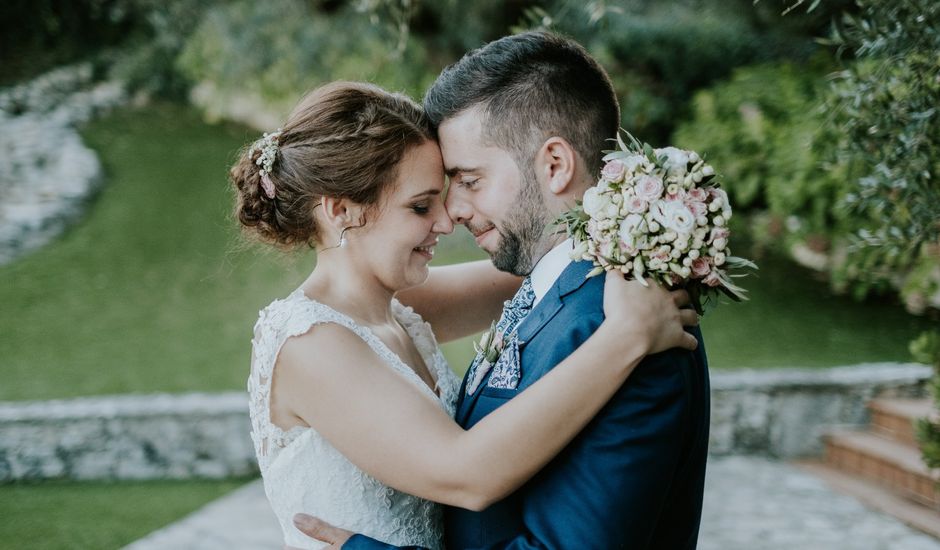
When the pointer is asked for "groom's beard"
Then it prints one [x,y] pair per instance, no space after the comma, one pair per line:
[523,234]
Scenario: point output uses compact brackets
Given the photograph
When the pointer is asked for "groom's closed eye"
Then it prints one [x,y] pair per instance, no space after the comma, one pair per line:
[467,183]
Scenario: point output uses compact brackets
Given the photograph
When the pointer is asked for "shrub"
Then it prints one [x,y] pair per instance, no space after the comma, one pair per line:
[658,59]
[762,129]
[888,119]
[276,50]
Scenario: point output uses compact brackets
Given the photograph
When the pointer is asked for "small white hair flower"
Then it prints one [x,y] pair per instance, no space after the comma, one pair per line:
[268,145]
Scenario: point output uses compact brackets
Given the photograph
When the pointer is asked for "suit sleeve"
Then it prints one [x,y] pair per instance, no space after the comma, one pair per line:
[362,542]
[610,484]
[608,487]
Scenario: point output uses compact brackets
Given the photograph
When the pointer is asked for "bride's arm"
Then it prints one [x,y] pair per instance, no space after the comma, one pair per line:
[384,425]
[461,299]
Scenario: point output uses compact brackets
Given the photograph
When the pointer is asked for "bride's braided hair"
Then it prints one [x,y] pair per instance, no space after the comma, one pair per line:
[343,140]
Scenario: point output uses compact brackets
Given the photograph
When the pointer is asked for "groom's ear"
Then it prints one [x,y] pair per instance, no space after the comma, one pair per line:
[556,160]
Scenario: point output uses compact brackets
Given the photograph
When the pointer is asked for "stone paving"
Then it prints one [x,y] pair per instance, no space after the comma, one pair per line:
[753,503]
[750,503]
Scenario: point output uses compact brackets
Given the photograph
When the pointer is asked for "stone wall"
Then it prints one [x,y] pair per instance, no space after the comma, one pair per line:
[127,437]
[778,413]
[782,413]
[47,174]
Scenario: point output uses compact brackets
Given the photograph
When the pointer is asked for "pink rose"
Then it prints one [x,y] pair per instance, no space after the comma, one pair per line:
[613,171]
[701,267]
[649,188]
[718,193]
[697,194]
[663,254]
[636,205]
[698,209]
[718,233]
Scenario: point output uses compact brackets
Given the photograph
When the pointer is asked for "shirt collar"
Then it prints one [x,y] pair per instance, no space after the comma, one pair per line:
[549,268]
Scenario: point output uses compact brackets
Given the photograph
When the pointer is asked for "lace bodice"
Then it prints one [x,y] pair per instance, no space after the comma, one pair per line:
[302,472]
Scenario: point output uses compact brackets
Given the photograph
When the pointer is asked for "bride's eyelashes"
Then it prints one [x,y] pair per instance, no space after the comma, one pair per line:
[420,209]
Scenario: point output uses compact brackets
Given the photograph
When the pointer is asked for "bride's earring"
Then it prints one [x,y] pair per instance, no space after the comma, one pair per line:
[342,240]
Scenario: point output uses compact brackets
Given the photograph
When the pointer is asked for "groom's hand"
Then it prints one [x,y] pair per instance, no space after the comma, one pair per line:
[318,529]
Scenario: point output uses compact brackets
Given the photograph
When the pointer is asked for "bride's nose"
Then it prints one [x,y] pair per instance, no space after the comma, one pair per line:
[443,225]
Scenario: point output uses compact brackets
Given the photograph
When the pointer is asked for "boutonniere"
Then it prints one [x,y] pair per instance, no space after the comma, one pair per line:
[488,348]
[490,344]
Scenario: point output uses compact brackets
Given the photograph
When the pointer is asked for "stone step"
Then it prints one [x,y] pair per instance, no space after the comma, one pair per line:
[876,497]
[885,461]
[894,418]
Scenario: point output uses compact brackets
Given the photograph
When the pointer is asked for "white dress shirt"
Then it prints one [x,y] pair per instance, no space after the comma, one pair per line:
[549,268]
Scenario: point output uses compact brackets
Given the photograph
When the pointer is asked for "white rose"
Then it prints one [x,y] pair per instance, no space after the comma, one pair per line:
[632,162]
[677,160]
[592,201]
[628,229]
[579,251]
[612,209]
[658,212]
[678,217]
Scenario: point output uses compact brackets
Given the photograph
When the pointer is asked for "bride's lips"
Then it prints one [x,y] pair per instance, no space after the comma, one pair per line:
[426,250]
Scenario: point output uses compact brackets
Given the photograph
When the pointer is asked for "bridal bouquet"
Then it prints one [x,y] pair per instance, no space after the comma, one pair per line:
[658,213]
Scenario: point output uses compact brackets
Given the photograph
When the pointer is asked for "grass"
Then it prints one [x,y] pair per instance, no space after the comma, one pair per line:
[155,289]
[73,515]
[793,320]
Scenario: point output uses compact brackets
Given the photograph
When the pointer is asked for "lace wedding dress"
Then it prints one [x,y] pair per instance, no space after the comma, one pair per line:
[302,472]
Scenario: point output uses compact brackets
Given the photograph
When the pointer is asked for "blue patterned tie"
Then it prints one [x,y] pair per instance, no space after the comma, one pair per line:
[514,311]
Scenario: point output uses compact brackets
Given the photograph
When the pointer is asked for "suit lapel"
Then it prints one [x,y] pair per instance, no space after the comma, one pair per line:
[571,279]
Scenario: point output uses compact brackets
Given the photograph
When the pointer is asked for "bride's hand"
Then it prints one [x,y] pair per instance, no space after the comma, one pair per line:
[651,313]
[320,530]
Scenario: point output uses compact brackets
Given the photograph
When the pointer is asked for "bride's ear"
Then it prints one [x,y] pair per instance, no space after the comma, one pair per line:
[340,213]
[556,161]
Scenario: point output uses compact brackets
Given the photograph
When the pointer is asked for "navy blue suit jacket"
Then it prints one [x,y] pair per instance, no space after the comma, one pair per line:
[633,478]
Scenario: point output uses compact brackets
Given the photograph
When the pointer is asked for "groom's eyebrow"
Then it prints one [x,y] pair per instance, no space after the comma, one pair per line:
[452,172]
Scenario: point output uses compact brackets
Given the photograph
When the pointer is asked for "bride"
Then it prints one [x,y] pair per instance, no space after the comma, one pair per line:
[351,400]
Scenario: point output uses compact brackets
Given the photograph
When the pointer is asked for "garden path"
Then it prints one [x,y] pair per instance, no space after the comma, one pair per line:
[749,503]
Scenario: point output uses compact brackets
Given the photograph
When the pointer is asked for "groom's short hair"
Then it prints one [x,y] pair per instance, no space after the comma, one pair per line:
[531,86]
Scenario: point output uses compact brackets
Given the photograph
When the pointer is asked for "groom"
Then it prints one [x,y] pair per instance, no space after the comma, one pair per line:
[521,123]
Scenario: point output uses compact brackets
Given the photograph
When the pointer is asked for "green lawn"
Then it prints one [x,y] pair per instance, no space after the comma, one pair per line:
[156,291]
[99,516]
